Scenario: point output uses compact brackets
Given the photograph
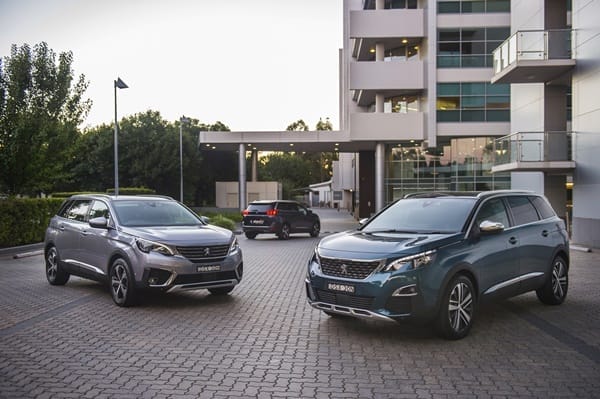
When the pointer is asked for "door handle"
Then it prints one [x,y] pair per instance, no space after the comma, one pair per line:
[84,232]
[61,226]
[512,240]
[545,233]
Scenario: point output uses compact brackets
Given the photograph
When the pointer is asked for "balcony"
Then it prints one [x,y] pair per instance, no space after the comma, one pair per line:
[393,78]
[535,56]
[387,23]
[534,152]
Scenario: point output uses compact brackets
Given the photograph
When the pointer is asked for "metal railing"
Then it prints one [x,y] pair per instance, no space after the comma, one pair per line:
[534,45]
[533,147]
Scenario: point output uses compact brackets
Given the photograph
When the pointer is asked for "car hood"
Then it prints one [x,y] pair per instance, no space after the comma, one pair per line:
[183,235]
[355,244]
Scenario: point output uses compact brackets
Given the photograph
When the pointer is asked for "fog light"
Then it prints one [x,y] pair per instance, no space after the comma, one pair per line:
[409,290]
[152,280]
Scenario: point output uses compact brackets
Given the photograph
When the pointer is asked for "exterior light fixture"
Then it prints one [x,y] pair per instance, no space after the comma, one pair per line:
[118,84]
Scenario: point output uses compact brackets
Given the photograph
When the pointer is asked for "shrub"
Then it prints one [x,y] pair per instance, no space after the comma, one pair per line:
[222,221]
[24,220]
[132,191]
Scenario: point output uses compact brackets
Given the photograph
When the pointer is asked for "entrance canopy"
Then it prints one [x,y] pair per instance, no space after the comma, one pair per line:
[297,141]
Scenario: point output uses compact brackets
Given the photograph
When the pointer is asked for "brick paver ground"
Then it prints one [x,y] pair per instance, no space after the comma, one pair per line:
[264,341]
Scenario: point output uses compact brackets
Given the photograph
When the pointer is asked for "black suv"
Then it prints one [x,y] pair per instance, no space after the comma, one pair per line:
[279,217]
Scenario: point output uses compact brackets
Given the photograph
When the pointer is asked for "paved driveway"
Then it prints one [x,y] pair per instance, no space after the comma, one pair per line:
[265,341]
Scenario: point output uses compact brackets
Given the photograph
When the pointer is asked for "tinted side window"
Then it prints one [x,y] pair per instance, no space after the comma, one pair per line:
[99,209]
[62,212]
[78,210]
[522,210]
[543,208]
[493,211]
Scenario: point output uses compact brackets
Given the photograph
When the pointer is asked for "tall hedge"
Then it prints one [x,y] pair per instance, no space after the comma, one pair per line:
[24,221]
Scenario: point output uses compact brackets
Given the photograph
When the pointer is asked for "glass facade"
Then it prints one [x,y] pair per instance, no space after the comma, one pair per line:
[472,6]
[469,47]
[463,165]
[473,102]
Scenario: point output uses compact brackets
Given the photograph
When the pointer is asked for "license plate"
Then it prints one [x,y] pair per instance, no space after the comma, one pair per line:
[341,287]
[257,221]
[208,268]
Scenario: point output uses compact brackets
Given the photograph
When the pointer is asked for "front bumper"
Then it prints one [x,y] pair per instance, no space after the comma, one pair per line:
[179,274]
[390,296]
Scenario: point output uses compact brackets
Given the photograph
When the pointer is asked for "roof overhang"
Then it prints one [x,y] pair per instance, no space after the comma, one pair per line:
[285,141]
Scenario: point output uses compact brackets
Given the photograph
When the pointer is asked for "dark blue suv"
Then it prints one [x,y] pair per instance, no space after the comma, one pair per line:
[434,257]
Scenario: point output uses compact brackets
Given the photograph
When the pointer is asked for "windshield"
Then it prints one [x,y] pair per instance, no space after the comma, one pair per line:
[423,215]
[140,213]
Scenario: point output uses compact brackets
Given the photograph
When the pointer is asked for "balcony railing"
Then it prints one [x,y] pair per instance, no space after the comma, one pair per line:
[534,45]
[533,147]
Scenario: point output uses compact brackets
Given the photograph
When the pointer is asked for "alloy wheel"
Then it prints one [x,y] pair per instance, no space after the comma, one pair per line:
[119,283]
[559,278]
[460,307]
[52,264]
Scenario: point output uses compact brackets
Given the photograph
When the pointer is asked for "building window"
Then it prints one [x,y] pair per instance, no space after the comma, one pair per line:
[401,104]
[473,102]
[391,4]
[464,164]
[472,6]
[469,47]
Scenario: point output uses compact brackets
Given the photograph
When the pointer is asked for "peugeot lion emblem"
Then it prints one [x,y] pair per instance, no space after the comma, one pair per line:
[206,251]
[344,269]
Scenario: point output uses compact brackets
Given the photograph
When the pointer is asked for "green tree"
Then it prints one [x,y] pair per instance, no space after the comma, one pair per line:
[148,156]
[289,169]
[299,125]
[41,106]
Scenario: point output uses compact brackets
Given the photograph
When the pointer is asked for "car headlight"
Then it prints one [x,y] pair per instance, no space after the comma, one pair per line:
[412,262]
[148,246]
[234,247]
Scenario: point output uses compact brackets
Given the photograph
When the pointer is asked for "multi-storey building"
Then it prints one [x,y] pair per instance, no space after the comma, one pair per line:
[464,95]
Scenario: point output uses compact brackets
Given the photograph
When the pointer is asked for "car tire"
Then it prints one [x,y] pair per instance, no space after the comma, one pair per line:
[284,234]
[54,272]
[316,229]
[220,291]
[457,309]
[122,284]
[554,290]
[250,235]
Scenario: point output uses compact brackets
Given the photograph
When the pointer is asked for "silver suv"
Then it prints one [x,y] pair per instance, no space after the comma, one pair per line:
[134,242]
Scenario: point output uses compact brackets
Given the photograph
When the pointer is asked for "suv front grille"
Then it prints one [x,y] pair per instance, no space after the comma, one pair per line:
[204,254]
[334,298]
[348,268]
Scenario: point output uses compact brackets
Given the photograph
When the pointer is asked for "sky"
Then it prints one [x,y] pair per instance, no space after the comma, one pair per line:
[252,64]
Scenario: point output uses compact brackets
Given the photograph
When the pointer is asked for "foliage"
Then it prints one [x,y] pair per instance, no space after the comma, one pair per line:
[299,125]
[235,216]
[324,125]
[222,221]
[41,105]
[291,170]
[24,221]
[148,156]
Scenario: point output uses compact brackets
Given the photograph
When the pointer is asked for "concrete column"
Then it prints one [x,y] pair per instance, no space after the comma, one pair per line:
[379,176]
[379,51]
[379,100]
[254,165]
[379,4]
[242,177]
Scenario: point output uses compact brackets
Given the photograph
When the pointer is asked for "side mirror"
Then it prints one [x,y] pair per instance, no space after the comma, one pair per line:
[490,227]
[363,221]
[99,222]
[205,219]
